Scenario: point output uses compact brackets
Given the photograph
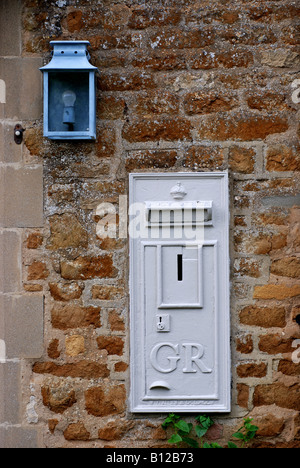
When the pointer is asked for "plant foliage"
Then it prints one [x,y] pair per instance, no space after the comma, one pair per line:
[182,432]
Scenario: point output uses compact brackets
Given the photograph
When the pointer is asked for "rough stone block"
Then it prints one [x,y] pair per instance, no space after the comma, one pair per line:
[10,264]
[21,195]
[23,325]
[23,87]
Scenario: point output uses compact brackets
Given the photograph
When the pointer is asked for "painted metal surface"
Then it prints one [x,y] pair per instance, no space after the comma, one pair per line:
[179,284]
[69,75]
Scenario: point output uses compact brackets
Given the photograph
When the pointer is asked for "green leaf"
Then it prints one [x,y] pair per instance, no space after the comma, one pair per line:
[205,421]
[206,445]
[171,419]
[212,445]
[252,428]
[175,439]
[215,445]
[183,426]
[200,431]
[232,445]
[248,420]
[191,442]
[239,435]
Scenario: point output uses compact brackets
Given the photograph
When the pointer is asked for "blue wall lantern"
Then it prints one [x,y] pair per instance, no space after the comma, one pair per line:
[69,93]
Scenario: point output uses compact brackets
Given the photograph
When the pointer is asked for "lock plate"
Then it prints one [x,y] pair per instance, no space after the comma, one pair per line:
[163,323]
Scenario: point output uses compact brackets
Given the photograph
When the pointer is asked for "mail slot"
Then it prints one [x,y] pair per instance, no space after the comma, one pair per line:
[179,286]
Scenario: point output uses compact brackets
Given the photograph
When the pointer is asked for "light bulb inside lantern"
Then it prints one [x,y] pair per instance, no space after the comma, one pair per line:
[69,98]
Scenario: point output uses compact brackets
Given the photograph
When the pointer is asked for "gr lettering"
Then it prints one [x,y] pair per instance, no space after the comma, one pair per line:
[191,355]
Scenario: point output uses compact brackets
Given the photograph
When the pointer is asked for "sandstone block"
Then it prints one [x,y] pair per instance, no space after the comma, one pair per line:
[160,60]
[66,232]
[106,142]
[34,141]
[65,291]
[134,81]
[10,388]
[204,157]
[237,57]
[21,191]
[120,367]
[280,58]
[241,127]
[34,240]
[84,268]
[115,430]
[75,345]
[281,158]
[19,437]
[116,321]
[244,344]
[115,16]
[246,267]
[275,344]
[23,95]
[142,18]
[76,431]
[289,367]
[107,292]
[74,21]
[112,344]
[9,151]
[58,398]
[116,40]
[111,108]
[243,395]
[267,101]
[269,425]
[278,394]
[10,254]
[10,28]
[37,271]
[207,102]
[26,339]
[137,160]
[252,369]
[74,316]
[155,102]
[105,400]
[266,317]
[276,291]
[78,370]
[158,129]
[242,160]
[288,266]
[53,349]
[179,39]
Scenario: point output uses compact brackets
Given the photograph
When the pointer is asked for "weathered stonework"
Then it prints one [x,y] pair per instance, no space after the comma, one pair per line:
[183,86]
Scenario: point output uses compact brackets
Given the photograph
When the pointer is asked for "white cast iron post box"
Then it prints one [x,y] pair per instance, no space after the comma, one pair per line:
[179,280]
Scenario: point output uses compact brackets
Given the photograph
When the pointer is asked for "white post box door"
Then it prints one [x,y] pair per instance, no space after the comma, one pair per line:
[179,284]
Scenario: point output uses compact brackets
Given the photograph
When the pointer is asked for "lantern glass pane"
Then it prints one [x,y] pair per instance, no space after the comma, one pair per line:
[60,100]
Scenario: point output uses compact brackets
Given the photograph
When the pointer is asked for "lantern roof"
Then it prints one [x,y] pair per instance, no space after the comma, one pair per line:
[69,55]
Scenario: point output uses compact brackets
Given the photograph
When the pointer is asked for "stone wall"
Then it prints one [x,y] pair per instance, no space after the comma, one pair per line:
[183,86]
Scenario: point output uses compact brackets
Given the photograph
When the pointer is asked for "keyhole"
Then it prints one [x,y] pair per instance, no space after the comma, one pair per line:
[179,268]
